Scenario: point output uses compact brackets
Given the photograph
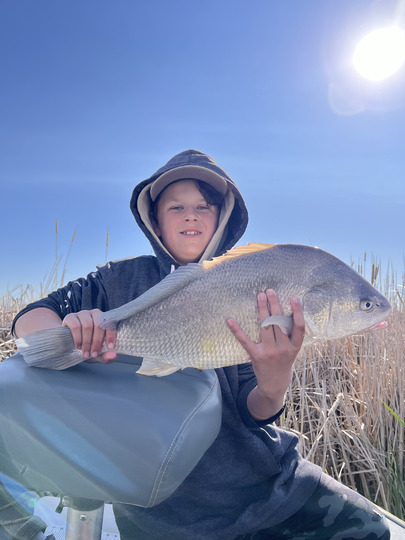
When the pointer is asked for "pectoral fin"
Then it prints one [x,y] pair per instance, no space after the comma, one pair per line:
[150,366]
[282,321]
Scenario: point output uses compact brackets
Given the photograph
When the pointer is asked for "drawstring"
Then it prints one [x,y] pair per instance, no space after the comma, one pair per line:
[172,268]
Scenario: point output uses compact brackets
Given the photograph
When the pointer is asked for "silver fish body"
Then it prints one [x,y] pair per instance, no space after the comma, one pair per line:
[182,321]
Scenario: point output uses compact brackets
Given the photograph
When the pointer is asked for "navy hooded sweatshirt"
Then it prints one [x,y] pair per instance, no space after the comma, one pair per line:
[252,477]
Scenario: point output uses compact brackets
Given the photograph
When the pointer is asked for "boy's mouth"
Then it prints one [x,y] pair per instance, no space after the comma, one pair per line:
[191,233]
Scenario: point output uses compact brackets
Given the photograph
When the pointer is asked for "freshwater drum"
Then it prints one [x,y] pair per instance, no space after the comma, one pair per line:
[182,321]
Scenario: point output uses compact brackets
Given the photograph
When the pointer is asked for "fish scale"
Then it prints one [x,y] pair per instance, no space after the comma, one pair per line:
[197,336]
[182,321]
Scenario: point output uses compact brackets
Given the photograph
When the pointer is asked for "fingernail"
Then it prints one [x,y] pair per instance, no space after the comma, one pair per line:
[94,354]
[295,300]
[86,354]
[262,296]
[110,345]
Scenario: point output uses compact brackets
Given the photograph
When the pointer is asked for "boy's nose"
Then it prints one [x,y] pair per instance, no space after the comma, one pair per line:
[191,214]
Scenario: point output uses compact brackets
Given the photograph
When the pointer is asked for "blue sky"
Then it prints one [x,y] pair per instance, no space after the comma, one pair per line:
[96,95]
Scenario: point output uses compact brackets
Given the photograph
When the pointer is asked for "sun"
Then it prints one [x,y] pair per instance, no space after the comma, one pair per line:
[380,53]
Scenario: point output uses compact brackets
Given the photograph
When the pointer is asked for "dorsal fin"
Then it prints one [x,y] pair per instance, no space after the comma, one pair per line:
[235,252]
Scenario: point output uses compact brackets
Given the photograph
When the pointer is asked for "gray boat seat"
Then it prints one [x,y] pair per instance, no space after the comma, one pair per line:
[102,432]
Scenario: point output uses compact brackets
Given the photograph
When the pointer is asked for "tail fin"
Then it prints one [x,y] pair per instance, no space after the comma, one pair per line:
[53,349]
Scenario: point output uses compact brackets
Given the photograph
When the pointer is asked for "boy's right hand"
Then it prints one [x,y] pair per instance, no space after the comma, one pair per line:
[89,337]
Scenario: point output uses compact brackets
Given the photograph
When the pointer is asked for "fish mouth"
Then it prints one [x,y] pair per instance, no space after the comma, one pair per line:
[381,325]
[378,326]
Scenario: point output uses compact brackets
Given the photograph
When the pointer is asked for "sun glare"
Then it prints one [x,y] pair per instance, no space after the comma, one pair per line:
[380,53]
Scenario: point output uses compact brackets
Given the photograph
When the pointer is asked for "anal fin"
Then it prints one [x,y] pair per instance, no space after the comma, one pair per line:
[150,366]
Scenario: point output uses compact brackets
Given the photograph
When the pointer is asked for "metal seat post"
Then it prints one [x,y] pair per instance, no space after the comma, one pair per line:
[84,518]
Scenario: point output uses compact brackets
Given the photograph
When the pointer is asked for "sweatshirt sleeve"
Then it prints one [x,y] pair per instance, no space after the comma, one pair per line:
[247,381]
[83,293]
[109,287]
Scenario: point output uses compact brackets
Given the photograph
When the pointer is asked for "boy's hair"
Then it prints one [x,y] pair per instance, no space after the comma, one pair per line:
[211,195]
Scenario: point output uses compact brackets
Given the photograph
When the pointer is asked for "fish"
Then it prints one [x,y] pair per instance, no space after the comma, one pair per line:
[182,321]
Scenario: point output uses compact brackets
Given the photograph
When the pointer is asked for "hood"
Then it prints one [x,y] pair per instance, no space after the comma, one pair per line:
[233,218]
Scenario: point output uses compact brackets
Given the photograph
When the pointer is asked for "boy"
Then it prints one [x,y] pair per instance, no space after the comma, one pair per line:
[252,482]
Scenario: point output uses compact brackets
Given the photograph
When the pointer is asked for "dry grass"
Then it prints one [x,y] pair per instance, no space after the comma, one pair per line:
[340,403]
[336,405]
[10,305]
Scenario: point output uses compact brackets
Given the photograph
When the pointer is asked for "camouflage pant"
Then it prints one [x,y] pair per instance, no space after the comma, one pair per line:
[333,512]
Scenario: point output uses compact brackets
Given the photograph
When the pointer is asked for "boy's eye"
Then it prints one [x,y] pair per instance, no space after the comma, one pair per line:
[200,207]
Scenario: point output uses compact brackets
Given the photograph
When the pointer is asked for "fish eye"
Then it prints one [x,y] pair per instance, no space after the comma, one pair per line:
[366,305]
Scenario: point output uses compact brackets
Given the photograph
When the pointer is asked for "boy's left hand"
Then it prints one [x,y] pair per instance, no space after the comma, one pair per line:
[274,355]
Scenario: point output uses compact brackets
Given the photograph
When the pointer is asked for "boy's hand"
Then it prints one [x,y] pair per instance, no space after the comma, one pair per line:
[89,337]
[273,356]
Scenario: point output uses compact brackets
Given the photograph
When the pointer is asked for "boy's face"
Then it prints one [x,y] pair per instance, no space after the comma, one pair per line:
[185,222]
